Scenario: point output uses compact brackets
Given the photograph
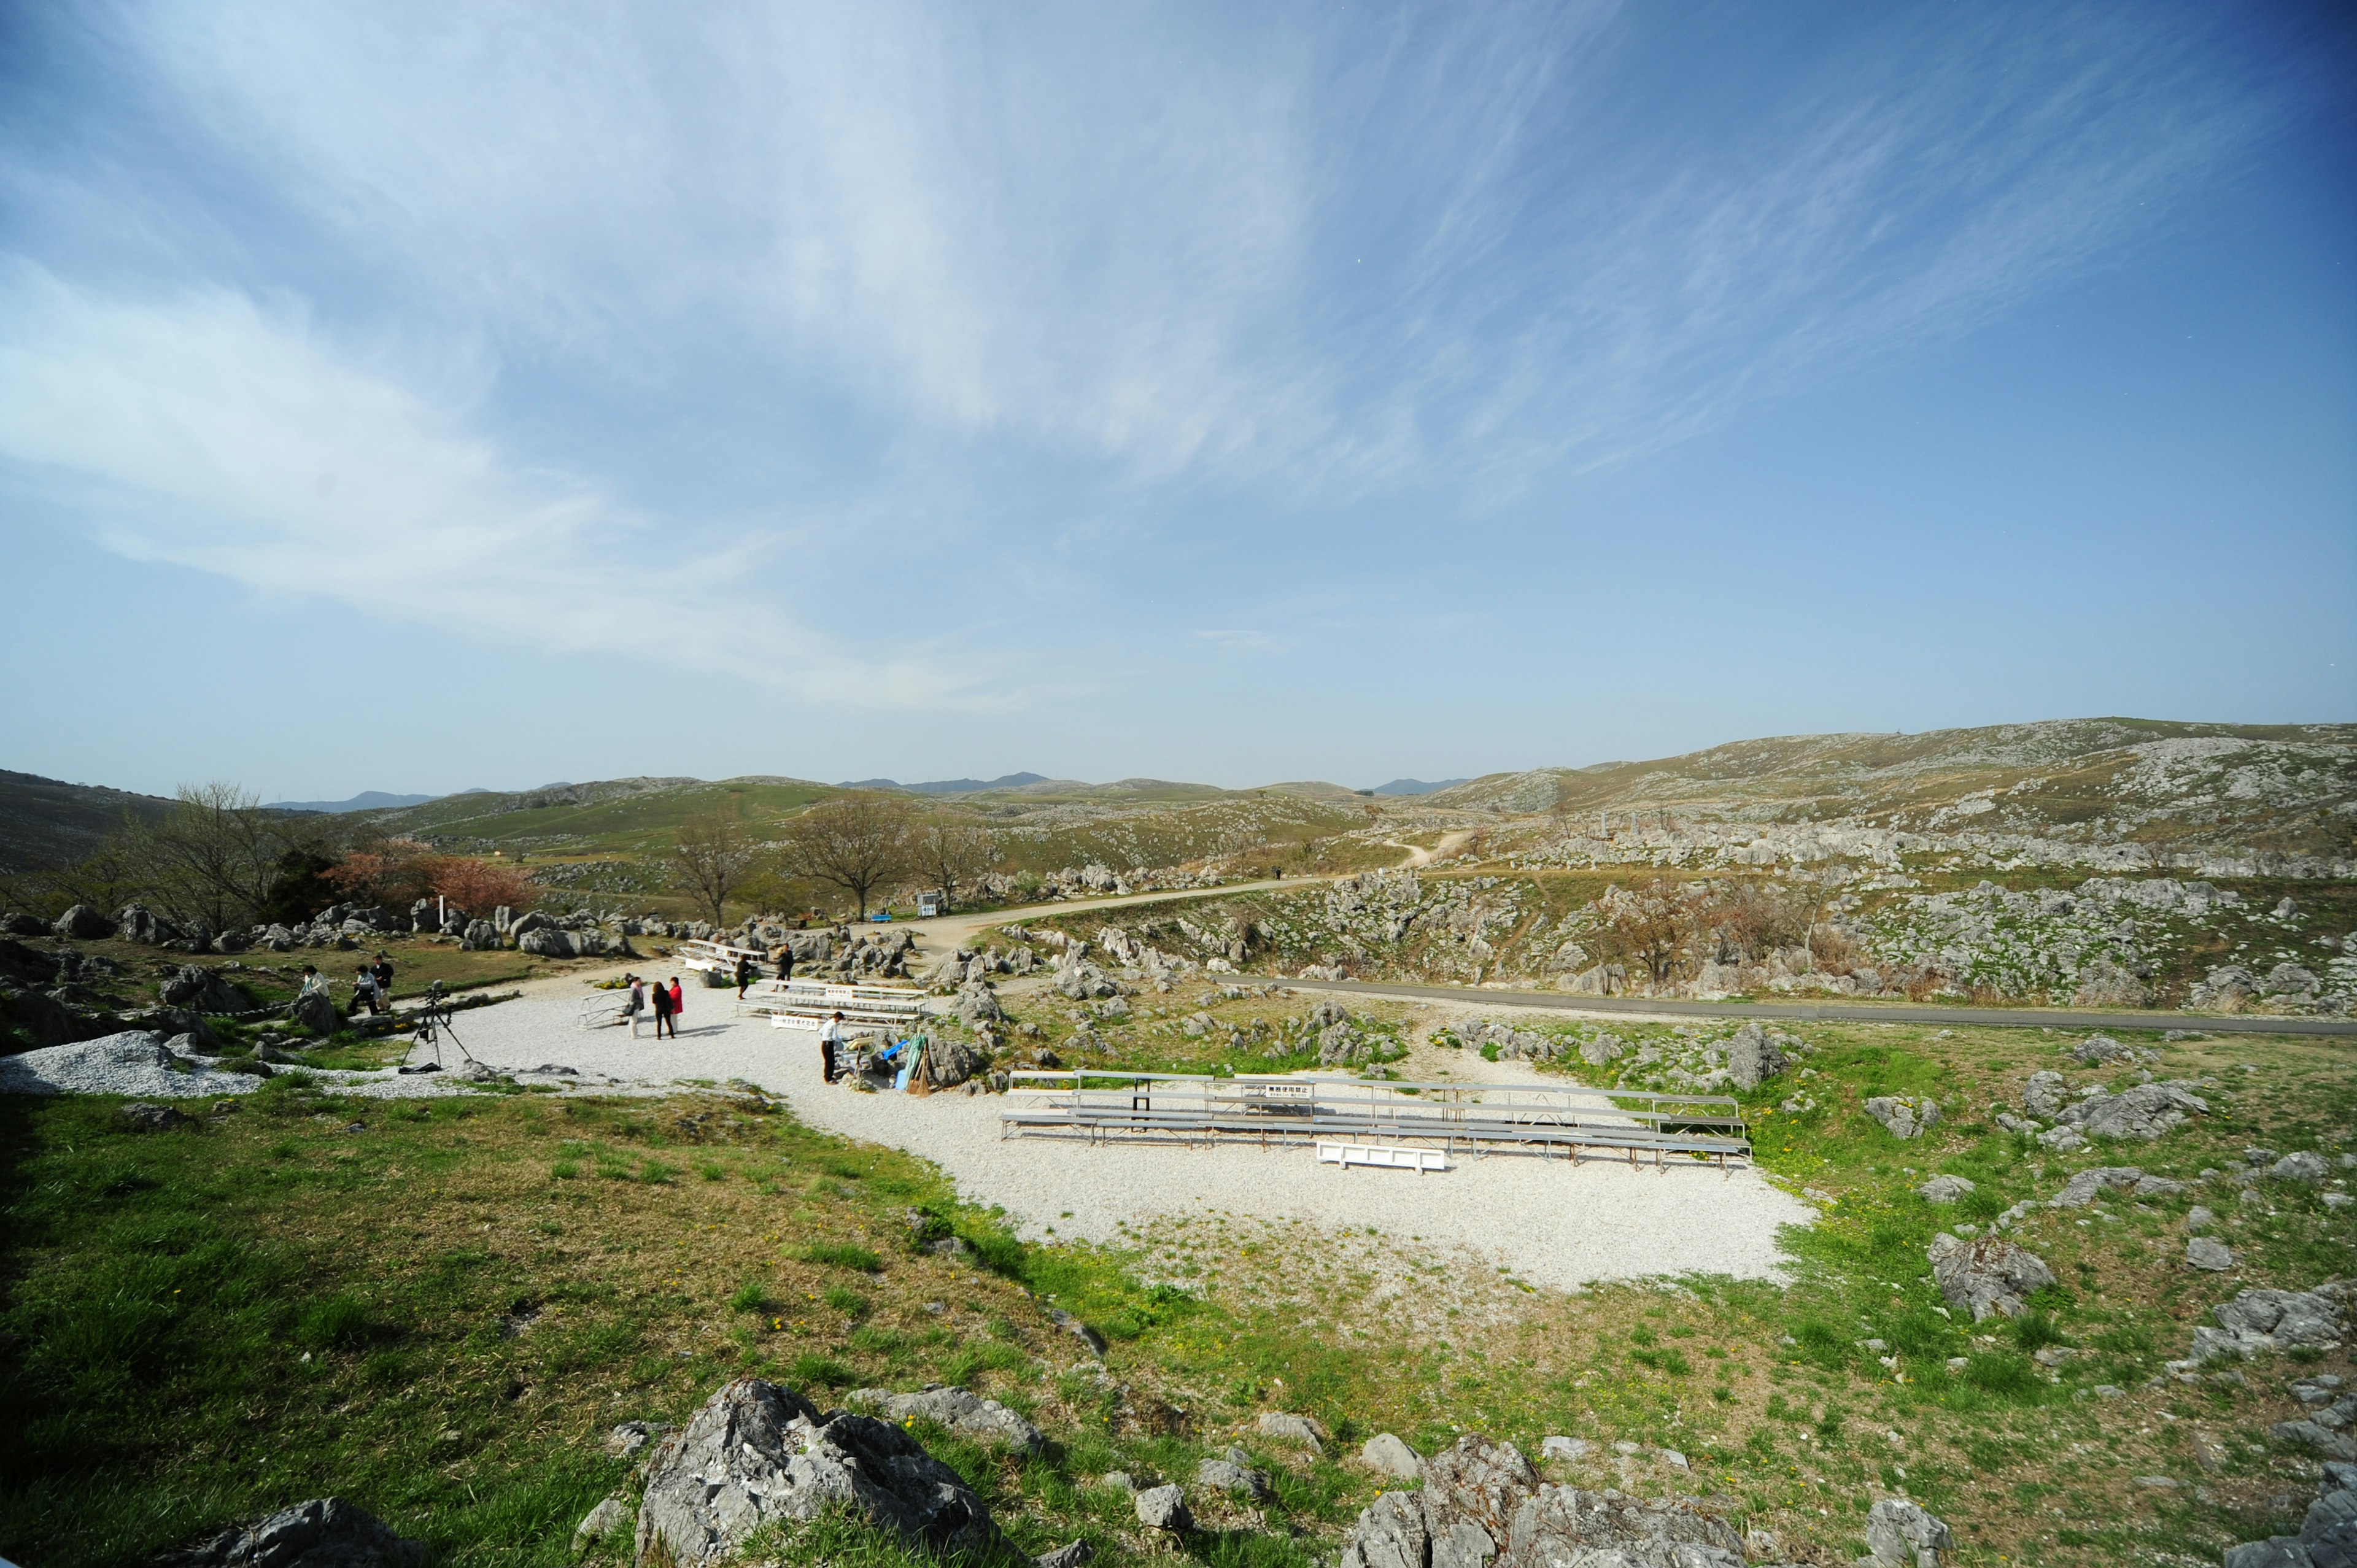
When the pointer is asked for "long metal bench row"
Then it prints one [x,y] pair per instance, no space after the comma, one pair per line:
[1549,1119]
[807,1005]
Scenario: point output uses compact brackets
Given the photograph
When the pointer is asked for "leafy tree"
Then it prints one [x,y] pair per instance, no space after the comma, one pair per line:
[951,856]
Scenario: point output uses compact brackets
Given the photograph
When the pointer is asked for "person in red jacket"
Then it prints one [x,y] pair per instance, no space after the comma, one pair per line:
[678,1005]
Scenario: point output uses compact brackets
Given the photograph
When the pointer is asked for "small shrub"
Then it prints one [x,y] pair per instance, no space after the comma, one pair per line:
[564,1170]
[710,1171]
[812,1368]
[2003,1374]
[846,1300]
[2034,1330]
[843,1255]
[336,1322]
[750,1297]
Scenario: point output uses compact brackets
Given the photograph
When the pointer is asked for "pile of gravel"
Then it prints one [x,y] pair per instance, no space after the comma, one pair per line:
[135,1062]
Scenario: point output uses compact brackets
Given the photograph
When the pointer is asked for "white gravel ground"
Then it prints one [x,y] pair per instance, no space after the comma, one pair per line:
[1548,1222]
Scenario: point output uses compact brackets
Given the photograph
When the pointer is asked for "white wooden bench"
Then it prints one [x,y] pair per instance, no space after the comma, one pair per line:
[1391,1155]
[715,958]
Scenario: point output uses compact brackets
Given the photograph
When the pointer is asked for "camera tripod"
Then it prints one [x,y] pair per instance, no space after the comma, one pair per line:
[433,1023]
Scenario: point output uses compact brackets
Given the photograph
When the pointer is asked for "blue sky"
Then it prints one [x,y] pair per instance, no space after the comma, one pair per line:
[413,397]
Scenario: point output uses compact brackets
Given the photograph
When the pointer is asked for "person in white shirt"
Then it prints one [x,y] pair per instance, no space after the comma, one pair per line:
[314,982]
[830,1035]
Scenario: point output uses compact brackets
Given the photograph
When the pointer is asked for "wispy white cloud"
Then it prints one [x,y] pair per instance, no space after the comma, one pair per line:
[210,431]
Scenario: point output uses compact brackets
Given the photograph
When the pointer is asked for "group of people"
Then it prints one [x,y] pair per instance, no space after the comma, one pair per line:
[668,1002]
[371,986]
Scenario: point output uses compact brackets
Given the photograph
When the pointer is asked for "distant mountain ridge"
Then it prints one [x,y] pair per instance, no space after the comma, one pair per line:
[951,786]
[366,800]
[1416,786]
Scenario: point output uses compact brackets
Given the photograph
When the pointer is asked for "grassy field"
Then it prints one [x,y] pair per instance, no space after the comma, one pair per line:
[437,1308]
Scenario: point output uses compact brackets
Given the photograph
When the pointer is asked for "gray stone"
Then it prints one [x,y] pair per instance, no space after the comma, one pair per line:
[626,1441]
[1564,1448]
[2317,1435]
[2147,1111]
[2311,1168]
[1903,1116]
[1902,1532]
[1393,1456]
[152,1118]
[1752,1057]
[1164,1507]
[1945,1188]
[316,1016]
[1227,1476]
[21,925]
[977,1007]
[2045,1095]
[1070,1556]
[2097,1049]
[598,1523]
[81,924]
[325,1533]
[1986,1274]
[1390,1534]
[2086,1187]
[547,941]
[966,1414]
[1293,1429]
[757,1453]
[2208,1252]
[2259,1321]
[2327,1538]
[200,989]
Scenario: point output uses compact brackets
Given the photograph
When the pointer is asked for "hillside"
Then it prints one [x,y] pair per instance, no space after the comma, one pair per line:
[2283,788]
[48,822]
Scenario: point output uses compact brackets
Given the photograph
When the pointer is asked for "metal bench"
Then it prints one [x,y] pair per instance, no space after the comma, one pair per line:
[807,1005]
[1566,1120]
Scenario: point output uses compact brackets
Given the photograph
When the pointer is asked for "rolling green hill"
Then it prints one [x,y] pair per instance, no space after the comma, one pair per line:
[50,823]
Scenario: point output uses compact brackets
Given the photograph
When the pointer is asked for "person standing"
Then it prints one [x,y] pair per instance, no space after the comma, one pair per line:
[786,961]
[363,991]
[635,1004]
[383,972]
[830,1035]
[662,1013]
[678,1005]
[744,975]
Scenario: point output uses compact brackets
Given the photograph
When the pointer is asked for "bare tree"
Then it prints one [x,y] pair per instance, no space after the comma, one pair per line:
[856,842]
[711,858]
[951,856]
[211,858]
[1650,926]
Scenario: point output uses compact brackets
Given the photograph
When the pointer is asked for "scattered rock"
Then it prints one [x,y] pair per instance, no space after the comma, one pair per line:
[960,1409]
[152,1118]
[2097,1049]
[1393,1456]
[2089,1185]
[2327,1539]
[2317,1435]
[1072,1555]
[83,924]
[757,1453]
[200,989]
[2259,1321]
[2310,1168]
[1293,1429]
[2147,1111]
[2198,1217]
[1390,1533]
[1945,1188]
[598,1523]
[1903,1116]
[1902,1532]
[2208,1252]
[1164,1507]
[325,1533]
[2045,1094]
[316,1015]
[1564,1448]
[625,1440]
[1752,1057]
[1986,1274]
[1227,1476]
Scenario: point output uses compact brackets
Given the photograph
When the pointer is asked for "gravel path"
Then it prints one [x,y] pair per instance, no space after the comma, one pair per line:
[1545,1221]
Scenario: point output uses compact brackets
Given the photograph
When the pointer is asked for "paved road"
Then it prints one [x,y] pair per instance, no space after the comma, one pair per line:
[2000,1017]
